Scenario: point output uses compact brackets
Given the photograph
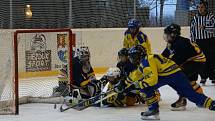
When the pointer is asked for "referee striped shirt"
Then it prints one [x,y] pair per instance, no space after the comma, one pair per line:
[208,21]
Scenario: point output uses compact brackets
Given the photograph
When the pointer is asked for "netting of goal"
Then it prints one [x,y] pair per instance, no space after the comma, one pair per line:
[30,61]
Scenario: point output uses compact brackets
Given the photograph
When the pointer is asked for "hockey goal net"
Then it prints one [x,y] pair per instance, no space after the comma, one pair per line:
[30,63]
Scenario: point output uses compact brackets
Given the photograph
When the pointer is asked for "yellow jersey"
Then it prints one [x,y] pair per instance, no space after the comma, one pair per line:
[139,39]
[151,67]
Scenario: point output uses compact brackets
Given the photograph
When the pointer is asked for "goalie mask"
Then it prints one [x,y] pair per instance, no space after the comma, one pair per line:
[83,53]
[113,74]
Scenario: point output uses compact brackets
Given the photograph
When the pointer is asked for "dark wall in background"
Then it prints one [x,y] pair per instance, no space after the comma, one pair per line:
[46,14]
[84,13]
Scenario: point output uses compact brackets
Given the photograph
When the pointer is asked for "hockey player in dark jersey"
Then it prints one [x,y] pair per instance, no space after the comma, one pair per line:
[83,74]
[124,64]
[187,55]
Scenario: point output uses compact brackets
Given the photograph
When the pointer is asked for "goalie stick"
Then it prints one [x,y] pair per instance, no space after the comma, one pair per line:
[96,99]
[102,97]
[89,102]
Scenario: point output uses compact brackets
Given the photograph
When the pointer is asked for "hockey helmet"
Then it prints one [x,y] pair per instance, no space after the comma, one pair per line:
[136,53]
[133,23]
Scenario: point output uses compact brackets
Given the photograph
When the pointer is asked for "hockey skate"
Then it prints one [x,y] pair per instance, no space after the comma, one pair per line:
[179,105]
[150,115]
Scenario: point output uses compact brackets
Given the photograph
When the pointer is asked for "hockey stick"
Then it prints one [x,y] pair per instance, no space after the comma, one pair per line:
[87,102]
[96,102]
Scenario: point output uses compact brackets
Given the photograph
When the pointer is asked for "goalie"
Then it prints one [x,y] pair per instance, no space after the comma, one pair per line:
[83,75]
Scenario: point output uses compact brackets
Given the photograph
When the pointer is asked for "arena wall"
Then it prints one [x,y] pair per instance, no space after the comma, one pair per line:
[103,44]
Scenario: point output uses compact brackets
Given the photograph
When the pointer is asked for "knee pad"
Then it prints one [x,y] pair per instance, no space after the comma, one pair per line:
[197,87]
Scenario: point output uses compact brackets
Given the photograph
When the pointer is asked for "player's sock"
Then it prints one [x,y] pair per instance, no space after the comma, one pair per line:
[158,95]
[179,105]
[196,87]
[150,115]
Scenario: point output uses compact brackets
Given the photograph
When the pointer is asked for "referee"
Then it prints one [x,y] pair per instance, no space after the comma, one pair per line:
[202,32]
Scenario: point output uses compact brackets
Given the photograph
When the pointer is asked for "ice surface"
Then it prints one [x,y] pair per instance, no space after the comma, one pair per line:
[46,112]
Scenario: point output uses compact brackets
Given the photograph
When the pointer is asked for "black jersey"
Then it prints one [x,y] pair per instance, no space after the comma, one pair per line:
[80,77]
[182,50]
[126,68]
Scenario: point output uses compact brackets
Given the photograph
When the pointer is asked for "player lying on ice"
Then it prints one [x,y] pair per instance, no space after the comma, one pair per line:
[155,71]
[114,79]
[187,55]
[116,76]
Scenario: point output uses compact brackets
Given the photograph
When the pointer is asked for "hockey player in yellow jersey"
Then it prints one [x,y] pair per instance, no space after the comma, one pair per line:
[134,36]
[155,71]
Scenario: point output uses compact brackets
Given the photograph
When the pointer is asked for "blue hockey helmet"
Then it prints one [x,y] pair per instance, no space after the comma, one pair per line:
[133,23]
[136,53]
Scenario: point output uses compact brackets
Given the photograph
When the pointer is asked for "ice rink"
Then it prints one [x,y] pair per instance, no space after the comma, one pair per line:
[46,112]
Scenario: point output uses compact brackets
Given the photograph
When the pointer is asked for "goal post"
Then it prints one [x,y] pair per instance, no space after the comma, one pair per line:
[38,56]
